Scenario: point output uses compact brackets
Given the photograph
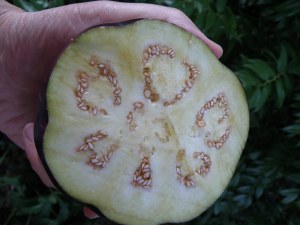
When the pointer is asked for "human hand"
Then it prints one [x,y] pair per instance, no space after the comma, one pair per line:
[30,44]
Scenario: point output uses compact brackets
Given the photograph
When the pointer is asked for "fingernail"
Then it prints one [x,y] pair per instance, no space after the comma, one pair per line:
[89,213]
[28,132]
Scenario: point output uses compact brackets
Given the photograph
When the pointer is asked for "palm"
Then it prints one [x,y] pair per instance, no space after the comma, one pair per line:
[28,61]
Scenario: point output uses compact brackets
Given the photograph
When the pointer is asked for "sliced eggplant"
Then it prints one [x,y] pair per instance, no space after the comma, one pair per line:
[142,122]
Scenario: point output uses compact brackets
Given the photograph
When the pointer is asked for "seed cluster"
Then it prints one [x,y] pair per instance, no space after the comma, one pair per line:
[142,176]
[219,142]
[157,50]
[204,169]
[96,160]
[149,91]
[91,139]
[188,84]
[219,101]
[186,180]
[99,161]
[137,106]
[82,86]
[83,80]
[106,71]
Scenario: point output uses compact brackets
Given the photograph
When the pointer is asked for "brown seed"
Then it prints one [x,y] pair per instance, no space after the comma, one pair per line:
[188,183]
[179,96]
[130,115]
[81,90]
[209,144]
[95,139]
[140,181]
[81,104]
[117,91]
[84,84]
[178,170]
[201,123]
[95,160]
[128,121]
[180,178]
[91,146]
[148,80]
[117,100]
[147,93]
[188,83]
[103,133]
[109,154]
[83,147]
[186,89]
[146,175]
[99,164]
[138,105]
[103,163]
[146,55]
[172,55]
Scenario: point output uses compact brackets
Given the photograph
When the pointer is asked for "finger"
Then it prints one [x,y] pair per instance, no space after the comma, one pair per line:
[79,17]
[89,213]
[32,155]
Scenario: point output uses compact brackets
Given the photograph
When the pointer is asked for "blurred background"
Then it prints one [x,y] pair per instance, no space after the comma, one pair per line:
[261,42]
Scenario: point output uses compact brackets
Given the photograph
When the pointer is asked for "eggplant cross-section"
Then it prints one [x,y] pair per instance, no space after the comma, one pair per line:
[143,123]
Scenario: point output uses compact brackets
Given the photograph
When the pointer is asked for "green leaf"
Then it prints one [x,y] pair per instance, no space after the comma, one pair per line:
[294,177]
[289,191]
[34,209]
[221,4]
[245,189]
[198,6]
[253,101]
[259,97]
[261,68]
[293,129]
[282,60]
[280,93]
[294,67]
[289,199]
[259,191]
[211,20]
[25,5]
[3,156]
[248,78]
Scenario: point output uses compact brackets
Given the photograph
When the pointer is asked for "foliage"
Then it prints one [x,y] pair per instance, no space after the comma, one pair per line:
[261,41]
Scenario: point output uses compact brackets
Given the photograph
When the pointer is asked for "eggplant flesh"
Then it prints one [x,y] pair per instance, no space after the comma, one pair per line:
[142,123]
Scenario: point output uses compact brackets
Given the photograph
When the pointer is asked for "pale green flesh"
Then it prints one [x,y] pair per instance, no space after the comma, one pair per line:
[110,189]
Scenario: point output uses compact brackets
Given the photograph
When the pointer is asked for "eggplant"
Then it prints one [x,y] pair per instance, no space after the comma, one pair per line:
[142,123]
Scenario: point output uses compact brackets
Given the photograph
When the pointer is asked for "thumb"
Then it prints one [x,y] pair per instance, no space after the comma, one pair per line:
[32,155]
[67,22]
